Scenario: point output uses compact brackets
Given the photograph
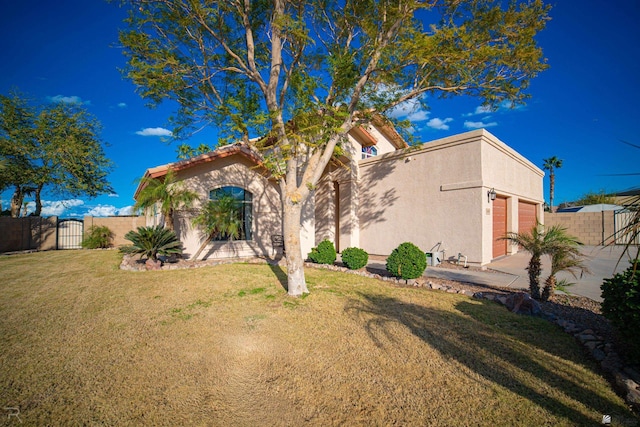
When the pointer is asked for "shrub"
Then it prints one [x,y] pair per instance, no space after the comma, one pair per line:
[98,237]
[621,305]
[407,261]
[355,258]
[324,253]
[152,241]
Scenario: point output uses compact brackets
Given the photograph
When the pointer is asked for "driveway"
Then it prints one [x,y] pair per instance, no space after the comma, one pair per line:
[601,261]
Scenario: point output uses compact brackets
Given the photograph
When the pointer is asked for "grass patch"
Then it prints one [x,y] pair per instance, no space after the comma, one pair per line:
[84,343]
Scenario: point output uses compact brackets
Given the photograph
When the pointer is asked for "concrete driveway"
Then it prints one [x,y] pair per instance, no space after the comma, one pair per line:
[601,261]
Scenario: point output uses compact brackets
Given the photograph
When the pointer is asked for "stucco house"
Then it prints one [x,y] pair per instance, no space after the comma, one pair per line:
[457,194]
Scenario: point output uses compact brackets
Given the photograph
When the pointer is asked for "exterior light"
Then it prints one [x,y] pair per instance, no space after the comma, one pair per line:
[491,195]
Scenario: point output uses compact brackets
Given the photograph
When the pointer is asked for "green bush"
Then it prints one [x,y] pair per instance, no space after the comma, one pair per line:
[407,261]
[621,305]
[98,237]
[324,253]
[152,241]
[355,258]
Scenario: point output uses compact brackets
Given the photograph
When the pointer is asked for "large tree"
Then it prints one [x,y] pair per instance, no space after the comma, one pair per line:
[551,164]
[305,73]
[56,147]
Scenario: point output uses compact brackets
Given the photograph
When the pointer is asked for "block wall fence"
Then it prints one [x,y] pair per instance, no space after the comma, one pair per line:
[591,228]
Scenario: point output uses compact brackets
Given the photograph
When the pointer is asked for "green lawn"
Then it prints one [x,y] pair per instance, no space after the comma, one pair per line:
[84,343]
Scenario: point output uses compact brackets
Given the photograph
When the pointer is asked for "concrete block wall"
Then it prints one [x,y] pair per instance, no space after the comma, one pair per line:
[28,233]
[591,228]
[119,225]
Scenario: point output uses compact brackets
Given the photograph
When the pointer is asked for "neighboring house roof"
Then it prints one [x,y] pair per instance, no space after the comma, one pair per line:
[591,208]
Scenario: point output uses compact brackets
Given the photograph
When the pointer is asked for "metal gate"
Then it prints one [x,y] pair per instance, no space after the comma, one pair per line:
[625,225]
[70,233]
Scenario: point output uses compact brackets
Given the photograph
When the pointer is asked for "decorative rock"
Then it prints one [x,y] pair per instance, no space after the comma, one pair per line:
[585,337]
[635,375]
[501,299]
[153,265]
[598,354]
[591,345]
[452,291]
[411,281]
[522,303]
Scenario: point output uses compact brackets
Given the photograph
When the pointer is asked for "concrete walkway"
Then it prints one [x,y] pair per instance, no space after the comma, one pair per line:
[510,271]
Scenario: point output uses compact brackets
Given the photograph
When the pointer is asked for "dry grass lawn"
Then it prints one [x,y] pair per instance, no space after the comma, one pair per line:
[84,343]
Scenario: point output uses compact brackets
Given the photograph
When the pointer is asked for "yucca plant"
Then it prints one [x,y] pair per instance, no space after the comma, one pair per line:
[151,242]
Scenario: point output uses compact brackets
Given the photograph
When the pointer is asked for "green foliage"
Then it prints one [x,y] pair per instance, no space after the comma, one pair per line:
[407,261]
[55,146]
[151,242]
[595,198]
[555,242]
[324,253]
[166,192]
[355,258]
[98,237]
[219,219]
[621,305]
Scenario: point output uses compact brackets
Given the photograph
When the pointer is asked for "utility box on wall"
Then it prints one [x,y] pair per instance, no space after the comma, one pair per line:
[434,258]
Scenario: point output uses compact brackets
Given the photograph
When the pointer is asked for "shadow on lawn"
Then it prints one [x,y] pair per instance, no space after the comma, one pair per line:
[498,352]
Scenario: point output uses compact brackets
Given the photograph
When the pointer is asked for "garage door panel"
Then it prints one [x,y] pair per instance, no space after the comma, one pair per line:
[499,226]
[527,218]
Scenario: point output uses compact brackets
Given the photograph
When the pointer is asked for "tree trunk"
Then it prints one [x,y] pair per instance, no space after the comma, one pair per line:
[201,248]
[534,270]
[552,184]
[549,288]
[38,210]
[16,202]
[296,283]
[168,220]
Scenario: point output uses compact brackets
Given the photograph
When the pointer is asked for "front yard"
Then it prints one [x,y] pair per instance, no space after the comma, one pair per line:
[84,343]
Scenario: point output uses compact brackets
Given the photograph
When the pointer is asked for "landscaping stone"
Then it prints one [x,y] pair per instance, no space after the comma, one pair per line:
[522,303]
[153,265]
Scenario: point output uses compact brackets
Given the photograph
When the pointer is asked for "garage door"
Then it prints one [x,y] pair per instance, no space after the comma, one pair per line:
[499,226]
[527,218]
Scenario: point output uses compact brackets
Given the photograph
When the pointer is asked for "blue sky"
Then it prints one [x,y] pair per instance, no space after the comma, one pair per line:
[580,110]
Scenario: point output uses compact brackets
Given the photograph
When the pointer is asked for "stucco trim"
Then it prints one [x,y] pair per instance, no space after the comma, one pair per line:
[461,185]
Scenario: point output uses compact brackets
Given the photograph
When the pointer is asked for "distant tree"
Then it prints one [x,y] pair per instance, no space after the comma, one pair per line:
[220,218]
[593,198]
[304,73]
[185,151]
[166,192]
[551,164]
[57,147]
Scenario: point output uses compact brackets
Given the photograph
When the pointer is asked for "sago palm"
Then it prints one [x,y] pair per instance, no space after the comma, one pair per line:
[151,242]
[167,192]
[219,218]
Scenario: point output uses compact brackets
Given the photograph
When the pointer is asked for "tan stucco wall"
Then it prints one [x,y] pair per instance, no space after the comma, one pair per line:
[437,192]
[235,171]
[119,226]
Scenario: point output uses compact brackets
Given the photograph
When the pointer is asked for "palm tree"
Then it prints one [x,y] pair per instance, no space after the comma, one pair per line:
[532,242]
[220,218]
[551,164]
[554,242]
[171,195]
[565,256]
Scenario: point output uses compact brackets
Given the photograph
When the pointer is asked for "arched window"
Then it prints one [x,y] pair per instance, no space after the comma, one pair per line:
[245,201]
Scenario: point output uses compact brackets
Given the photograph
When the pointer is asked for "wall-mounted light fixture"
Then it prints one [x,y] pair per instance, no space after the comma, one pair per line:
[491,195]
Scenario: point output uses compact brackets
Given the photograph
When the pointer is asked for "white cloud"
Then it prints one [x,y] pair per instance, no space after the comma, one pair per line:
[127,210]
[154,132]
[409,110]
[478,125]
[440,124]
[68,100]
[109,210]
[122,105]
[102,210]
[58,207]
[113,195]
[481,109]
